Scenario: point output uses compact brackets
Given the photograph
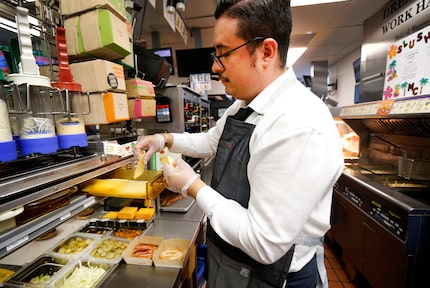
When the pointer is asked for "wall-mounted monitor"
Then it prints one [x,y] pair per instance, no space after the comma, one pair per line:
[194,61]
[151,67]
[167,54]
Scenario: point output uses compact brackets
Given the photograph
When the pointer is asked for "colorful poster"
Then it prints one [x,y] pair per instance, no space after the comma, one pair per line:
[408,66]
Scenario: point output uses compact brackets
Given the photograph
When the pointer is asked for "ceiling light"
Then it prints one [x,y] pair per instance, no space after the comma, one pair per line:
[295,3]
[11,26]
[170,6]
[294,53]
[180,5]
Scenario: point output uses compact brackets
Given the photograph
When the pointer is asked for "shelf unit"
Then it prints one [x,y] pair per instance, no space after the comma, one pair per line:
[16,192]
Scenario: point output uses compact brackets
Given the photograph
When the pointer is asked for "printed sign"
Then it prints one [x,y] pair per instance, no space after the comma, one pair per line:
[408,70]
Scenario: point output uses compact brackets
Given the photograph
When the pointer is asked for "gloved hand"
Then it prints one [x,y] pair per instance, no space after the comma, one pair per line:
[179,176]
[151,143]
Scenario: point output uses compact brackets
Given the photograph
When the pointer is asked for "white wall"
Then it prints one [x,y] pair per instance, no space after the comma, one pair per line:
[343,71]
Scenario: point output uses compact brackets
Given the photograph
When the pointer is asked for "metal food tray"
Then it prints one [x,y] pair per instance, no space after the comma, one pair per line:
[43,265]
[182,205]
[108,267]
[112,243]
[78,254]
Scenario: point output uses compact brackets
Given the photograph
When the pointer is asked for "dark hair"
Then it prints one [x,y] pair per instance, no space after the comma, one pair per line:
[266,18]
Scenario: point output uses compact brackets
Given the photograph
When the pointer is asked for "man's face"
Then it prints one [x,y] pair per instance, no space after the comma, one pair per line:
[240,71]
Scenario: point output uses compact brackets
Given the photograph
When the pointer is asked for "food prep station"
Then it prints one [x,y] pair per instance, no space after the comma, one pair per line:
[48,191]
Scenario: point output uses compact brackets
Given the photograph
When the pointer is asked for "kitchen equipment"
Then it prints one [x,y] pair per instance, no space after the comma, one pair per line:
[38,103]
[40,272]
[70,128]
[7,218]
[381,206]
[28,69]
[119,183]
[8,150]
[45,205]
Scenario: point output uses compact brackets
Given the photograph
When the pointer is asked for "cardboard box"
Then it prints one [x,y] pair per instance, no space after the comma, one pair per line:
[181,244]
[141,107]
[139,88]
[128,253]
[69,7]
[98,33]
[113,148]
[99,75]
[105,107]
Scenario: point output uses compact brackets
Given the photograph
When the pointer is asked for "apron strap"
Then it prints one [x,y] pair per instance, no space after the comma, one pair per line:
[242,114]
[319,243]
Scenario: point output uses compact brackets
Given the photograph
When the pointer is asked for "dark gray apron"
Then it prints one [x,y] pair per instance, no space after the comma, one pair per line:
[229,266]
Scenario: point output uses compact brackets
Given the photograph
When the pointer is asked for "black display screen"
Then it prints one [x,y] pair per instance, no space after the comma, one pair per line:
[194,61]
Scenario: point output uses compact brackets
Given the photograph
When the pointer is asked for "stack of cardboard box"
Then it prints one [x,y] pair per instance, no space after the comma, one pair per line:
[106,96]
[141,102]
[98,34]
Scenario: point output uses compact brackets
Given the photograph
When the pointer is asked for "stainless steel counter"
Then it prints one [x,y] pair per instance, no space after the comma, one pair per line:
[168,225]
[186,225]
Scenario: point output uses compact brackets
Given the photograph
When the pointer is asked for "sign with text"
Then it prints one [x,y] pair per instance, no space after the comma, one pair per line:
[408,70]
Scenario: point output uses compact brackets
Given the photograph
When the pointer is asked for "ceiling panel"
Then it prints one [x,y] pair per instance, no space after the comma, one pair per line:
[336,27]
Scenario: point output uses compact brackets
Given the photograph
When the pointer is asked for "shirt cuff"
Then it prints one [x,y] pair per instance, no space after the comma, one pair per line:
[179,141]
[208,198]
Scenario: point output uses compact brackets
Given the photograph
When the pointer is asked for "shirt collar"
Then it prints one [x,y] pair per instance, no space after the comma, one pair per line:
[266,97]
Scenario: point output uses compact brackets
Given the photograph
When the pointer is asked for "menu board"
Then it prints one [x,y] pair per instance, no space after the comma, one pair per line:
[408,70]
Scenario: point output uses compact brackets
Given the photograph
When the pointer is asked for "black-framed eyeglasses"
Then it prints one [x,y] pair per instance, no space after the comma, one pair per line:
[217,59]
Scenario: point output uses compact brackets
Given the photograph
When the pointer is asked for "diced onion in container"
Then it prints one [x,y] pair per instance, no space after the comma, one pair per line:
[84,277]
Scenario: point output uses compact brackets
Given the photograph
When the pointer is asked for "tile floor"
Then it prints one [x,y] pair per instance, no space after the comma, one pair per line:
[337,278]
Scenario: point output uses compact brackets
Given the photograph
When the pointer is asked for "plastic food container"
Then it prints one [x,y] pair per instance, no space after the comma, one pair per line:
[76,245]
[138,251]
[84,274]
[109,249]
[127,233]
[39,273]
[92,229]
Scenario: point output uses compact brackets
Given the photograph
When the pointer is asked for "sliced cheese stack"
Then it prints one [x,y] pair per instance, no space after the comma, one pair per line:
[111,215]
[145,213]
[127,213]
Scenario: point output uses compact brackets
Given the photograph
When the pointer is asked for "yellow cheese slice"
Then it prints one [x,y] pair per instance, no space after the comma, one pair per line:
[127,213]
[111,215]
[140,167]
[5,274]
[168,160]
[145,213]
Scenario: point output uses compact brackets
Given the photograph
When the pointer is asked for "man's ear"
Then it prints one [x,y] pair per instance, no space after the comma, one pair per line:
[270,50]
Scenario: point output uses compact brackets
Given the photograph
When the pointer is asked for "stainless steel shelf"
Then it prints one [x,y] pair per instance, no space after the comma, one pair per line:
[18,191]
[21,235]
[13,192]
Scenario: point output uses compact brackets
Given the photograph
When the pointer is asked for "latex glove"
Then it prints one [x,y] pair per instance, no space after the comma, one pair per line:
[179,176]
[151,143]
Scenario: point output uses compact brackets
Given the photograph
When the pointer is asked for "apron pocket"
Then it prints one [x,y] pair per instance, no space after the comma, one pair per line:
[225,272]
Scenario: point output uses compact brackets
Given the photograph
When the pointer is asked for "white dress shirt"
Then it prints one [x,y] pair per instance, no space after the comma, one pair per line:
[295,159]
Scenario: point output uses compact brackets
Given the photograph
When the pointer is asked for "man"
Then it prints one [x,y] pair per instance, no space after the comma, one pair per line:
[269,201]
